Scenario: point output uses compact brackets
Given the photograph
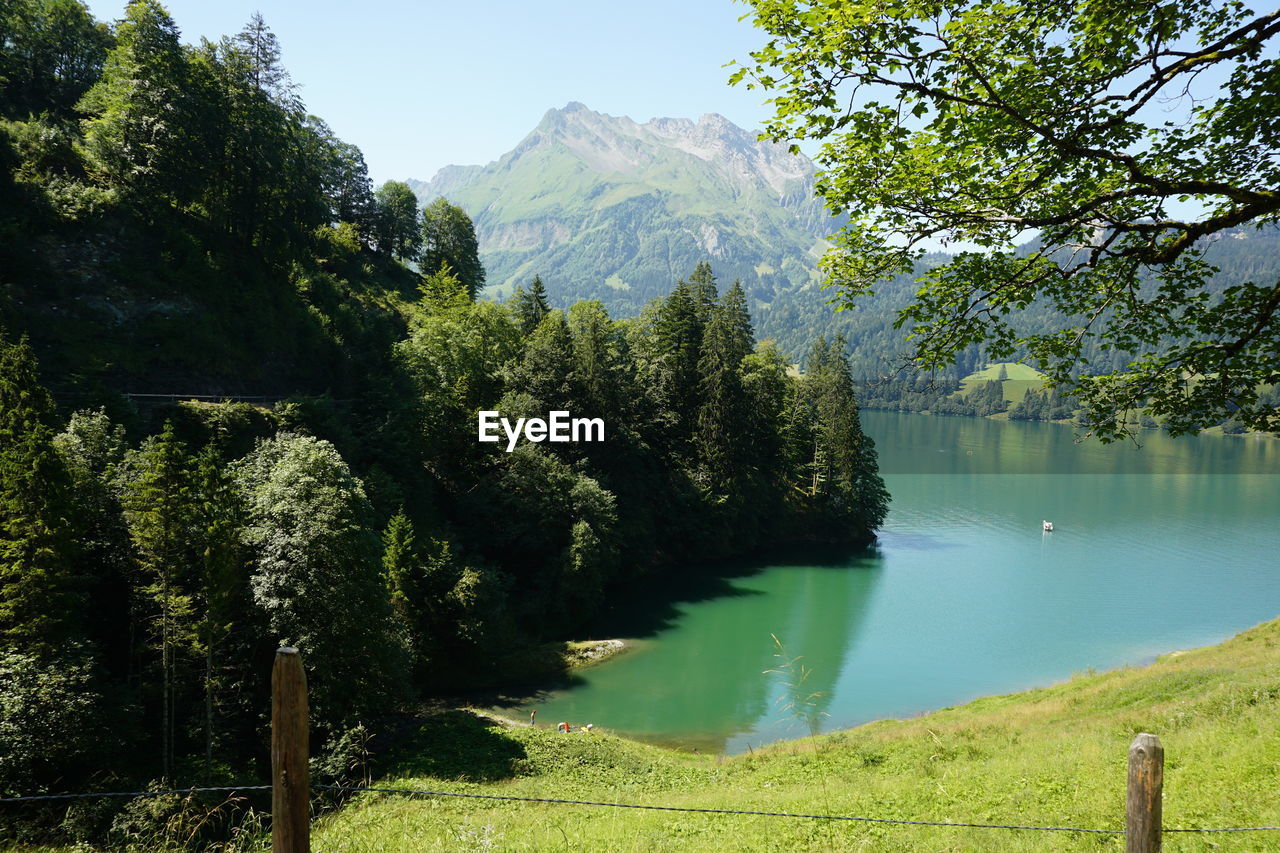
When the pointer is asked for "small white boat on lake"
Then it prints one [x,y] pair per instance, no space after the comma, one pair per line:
[1048,527]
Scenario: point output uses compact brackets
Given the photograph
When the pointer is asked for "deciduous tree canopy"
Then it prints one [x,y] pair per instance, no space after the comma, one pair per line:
[448,237]
[1123,135]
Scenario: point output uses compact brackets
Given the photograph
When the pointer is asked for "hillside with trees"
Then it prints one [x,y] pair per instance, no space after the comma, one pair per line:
[174,221]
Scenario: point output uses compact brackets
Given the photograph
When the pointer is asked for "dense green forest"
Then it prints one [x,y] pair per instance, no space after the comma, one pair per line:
[172,220]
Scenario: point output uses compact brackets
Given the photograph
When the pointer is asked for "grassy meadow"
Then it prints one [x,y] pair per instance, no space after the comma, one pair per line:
[1019,380]
[1051,757]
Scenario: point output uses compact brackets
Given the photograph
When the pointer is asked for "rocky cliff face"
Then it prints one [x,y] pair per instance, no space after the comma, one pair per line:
[607,144]
[605,207]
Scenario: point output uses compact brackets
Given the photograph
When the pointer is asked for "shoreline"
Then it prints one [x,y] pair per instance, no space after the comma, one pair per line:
[793,743]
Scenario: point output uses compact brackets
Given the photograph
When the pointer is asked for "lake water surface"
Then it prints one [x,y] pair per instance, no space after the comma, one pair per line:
[1170,546]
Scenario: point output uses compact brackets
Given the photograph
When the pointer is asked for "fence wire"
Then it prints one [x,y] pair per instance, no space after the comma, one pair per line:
[38,797]
[686,809]
[777,814]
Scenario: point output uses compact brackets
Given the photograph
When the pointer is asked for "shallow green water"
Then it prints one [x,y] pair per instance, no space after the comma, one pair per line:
[1171,546]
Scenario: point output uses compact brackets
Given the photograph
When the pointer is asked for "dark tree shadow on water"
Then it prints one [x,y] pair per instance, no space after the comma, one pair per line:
[459,746]
[646,608]
[654,605]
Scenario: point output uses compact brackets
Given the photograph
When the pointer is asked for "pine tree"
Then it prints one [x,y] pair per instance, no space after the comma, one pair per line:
[272,172]
[723,411]
[988,399]
[1041,412]
[765,384]
[160,509]
[742,337]
[91,448]
[870,497]
[399,564]
[799,439]
[217,523]
[846,487]
[546,371]
[530,305]
[599,364]
[37,557]
[822,380]
[678,341]
[1033,407]
[702,289]
[266,71]
[1060,406]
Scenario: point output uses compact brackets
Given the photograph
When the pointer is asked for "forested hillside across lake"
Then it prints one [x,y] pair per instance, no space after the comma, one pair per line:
[174,221]
[1007,390]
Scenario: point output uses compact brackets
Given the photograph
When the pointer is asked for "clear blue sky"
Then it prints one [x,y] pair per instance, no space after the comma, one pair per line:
[419,85]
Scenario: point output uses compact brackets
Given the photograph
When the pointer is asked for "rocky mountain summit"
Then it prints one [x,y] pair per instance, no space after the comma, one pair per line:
[606,207]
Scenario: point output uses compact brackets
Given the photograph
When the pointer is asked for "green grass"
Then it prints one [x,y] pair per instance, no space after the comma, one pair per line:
[1021,379]
[1015,370]
[1053,756]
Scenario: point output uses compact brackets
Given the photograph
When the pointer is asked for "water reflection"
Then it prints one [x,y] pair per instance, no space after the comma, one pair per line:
[698,677]
[821,629]
[922,444]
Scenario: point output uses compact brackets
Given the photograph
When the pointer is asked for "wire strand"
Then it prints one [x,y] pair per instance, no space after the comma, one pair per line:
[723,811]
[38,797]
[686,809]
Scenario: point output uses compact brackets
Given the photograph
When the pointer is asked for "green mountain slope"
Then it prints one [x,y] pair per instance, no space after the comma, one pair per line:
[604,207]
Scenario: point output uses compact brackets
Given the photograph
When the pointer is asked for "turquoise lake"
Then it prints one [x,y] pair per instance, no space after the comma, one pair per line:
[1173,545]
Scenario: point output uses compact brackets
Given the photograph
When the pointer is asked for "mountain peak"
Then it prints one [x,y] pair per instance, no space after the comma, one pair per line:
[572,113]
[606,143]
[617,209]
[734,159]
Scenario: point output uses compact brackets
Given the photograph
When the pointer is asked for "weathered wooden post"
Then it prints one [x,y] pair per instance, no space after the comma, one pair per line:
[1146,785]
[290,777]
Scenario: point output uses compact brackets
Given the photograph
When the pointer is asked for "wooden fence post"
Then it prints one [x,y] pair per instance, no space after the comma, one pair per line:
[290,776]
[1146,785]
